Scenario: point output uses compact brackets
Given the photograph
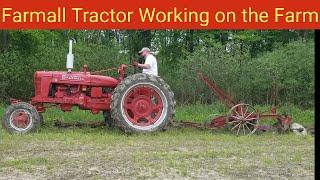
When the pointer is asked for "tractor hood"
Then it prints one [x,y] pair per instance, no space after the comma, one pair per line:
[83,78]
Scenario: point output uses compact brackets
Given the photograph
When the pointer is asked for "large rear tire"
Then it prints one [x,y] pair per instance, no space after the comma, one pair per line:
[142,103]
[21,118]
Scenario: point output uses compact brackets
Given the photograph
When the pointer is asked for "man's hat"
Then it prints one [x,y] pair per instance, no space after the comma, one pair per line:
[144,49]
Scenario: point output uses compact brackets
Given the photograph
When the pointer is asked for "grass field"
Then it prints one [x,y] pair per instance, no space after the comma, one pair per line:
[101,153]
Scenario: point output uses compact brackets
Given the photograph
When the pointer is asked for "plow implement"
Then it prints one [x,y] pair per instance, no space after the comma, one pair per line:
[242,118]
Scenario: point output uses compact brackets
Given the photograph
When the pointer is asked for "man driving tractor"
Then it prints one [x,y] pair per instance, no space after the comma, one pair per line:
[150,65]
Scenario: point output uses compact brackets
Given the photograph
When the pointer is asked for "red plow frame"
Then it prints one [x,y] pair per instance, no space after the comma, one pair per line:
[242,118]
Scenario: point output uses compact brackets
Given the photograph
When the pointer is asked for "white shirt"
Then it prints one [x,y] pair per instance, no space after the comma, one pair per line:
[152,61]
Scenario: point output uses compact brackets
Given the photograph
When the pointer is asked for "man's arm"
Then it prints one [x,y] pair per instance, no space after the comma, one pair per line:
[144,66]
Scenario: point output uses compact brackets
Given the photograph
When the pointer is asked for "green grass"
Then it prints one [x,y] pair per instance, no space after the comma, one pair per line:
[100,153]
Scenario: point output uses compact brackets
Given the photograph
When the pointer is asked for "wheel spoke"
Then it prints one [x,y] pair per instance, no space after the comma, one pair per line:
[135,119]
[251,123]
[150,119]
[157,107]
[254,129]
[237,113]
[249,115]
[235,126]
[239,129]
[230,122]
[250,119]
[246,111]
[241,110]
[244,129]
[248,127]
[236,117]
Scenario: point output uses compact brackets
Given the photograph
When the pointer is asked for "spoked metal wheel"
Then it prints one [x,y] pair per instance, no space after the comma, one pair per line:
[243,119]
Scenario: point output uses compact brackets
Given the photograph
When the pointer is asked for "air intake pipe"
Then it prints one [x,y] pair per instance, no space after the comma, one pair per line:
[70,57]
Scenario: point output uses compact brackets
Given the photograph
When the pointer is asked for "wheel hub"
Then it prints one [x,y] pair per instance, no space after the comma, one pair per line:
[20,119]
[142,107]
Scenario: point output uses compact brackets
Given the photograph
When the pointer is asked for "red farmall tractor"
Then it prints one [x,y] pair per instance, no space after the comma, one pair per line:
[138,103]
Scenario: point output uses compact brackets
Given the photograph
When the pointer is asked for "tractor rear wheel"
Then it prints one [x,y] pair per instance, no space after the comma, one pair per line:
[21,118]
[142,103]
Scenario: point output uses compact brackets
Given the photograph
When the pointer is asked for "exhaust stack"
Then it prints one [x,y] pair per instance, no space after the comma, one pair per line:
[70,57]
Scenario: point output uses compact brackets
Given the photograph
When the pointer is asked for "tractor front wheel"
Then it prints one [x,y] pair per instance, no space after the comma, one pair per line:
[21,118]
[142,103]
